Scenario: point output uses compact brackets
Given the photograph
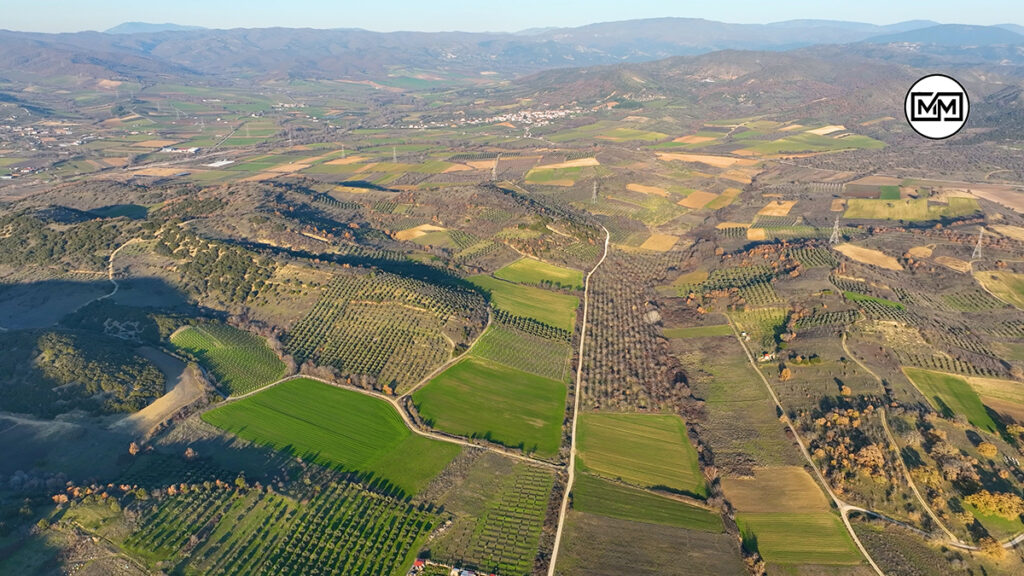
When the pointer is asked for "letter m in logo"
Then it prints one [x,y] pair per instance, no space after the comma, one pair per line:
[936,106]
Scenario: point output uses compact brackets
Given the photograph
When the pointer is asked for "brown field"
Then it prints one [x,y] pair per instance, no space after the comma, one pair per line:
[108,84]
[877,120]
[155,143]
[413,233]
[716,161]
[825,130]
[260,177]
[1015,232]
[480,164]
[723,225]
[160,172]
[582,162]
[351,189]
[757,234]
[741,175]
[792,127]
[697,199]
[1009,197]
[458,168]
[345,161]
[791,489]
[694,139]
[184,385]
[777,208]
[838,204]
[652,190]
[869,256]
[1004,396]
[955,264]
[506,124]
[116,162]
[921,251]
[660,242]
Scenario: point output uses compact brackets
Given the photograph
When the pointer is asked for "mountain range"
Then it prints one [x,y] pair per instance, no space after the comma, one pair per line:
[144,51]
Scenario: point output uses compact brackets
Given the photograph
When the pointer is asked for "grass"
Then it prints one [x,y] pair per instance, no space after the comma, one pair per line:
[805,142]
[698,331]
[787,538]
[531,271]
[338,428]
[606,130]
[554,176]
[240,361]
[647,450]
[596,496]
[1007,286]
[551,308]
[522,351]
[951,395]
[858,297]
[889,193]
[910,209]
[482,399]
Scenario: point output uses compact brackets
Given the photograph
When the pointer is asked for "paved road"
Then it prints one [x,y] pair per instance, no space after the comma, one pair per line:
[575,410]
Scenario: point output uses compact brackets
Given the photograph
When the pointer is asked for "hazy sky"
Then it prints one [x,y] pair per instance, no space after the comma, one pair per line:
[478,15]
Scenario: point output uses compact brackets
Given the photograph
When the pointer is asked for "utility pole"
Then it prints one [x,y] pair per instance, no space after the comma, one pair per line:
[835,233]
[977,247]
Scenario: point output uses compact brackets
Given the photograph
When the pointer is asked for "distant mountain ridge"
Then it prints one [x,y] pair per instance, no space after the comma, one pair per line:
[149,28]
[145,51]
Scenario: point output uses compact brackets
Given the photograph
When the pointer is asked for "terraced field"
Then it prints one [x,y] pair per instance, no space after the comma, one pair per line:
[336,428]
[240,361]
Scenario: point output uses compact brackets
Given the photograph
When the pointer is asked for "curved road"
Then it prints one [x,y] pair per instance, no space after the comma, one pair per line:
[575,410]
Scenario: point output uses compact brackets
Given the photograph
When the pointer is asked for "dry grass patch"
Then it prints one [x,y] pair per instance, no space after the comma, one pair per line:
[921,251]
[1004,396]
[579,163]
[716,161]
[416,232]
[697,199]
[155,143]
[643,189]
[724,225]
[838,204]
[346,161]
[1015,232]
[825,130]
[777,208]
[160,172]
[660,242]
[869,256]
[792,127]
[694,139]
[955,264]
[757,234]
[775,489]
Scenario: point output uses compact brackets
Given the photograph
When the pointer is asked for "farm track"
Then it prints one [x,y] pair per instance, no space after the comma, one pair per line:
[844,508]
[896,447]
[575,411]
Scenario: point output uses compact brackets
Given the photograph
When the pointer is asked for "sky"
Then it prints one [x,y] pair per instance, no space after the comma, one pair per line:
[478,15]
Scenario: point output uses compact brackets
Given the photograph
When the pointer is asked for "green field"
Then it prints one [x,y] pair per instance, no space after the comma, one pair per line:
[482,399]
[531,271]
[647,450]
[554,176]
[698,331]
[240,361]
[596,496]
[951,395]
[787,538]
[909,209]
[889,193]
[1006,286]
[338,428]
[606,130]
[806,142]
[551,308]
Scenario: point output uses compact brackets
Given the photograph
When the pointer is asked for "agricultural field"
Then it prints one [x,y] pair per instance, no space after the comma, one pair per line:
[910,209]
[951,395]
[1007,286]
[698,331]
[387,330]
[241,362]
[498,512]
[538,272]
[337,428]
[646,450]
[784,515]
[523,351]
[482,399]
[869,256]
[593,495]
[551,308]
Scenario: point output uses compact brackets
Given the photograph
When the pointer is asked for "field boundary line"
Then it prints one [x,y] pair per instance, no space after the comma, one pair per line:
[575,410]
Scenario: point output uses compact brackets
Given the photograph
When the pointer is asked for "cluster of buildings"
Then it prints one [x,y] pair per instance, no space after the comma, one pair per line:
[521,117]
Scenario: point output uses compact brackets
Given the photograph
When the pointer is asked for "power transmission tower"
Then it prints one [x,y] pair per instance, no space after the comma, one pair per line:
[394,154]
[593,197]
[494,169]
[977,247]
[834,239]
